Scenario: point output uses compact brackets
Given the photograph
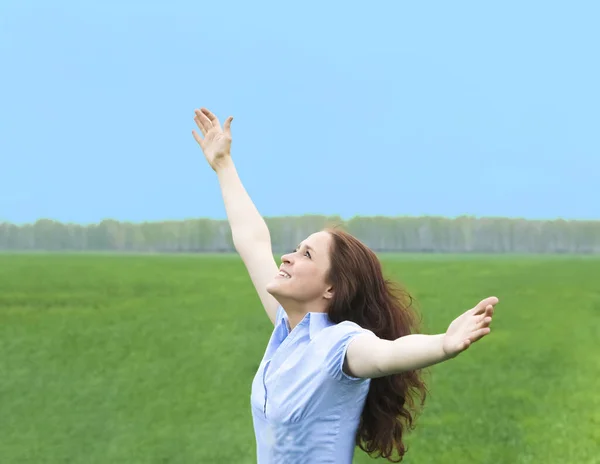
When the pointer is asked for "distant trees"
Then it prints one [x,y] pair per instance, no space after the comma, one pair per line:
[400,234]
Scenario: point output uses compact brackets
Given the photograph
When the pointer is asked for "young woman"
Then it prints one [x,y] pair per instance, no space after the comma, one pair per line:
[343,359]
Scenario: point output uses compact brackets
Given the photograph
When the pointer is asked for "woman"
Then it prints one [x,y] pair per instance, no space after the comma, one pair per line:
[343,359]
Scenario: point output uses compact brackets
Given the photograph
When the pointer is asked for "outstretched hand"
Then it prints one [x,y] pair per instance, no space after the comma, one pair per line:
[216,144]
[469,327]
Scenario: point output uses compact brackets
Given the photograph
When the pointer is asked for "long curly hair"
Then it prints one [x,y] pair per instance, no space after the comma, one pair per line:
[364,296]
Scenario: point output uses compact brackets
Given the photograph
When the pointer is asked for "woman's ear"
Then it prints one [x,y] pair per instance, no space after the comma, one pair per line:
[328,295]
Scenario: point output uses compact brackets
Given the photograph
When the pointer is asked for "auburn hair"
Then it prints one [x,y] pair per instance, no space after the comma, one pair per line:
[363,295]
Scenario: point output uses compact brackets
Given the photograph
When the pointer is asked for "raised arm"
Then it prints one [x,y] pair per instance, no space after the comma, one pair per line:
[371,357]
[250,233]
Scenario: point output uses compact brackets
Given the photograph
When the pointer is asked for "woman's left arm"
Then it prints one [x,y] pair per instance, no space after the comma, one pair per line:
[371,357]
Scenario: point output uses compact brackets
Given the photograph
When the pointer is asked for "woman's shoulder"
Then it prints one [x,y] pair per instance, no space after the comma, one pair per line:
[344,328]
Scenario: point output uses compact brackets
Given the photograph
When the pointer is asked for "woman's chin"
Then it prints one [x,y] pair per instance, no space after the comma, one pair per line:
[272,286]
[275,285]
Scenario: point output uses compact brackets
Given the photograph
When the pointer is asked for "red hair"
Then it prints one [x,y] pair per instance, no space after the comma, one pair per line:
[364,296]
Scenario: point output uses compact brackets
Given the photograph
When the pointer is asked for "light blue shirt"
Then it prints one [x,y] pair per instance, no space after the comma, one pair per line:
[305,409]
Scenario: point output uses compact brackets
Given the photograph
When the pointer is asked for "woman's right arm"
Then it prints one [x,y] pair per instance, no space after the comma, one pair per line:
[250,234]
[251,237]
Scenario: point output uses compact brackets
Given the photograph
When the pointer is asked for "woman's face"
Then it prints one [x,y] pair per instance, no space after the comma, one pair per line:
[303,273]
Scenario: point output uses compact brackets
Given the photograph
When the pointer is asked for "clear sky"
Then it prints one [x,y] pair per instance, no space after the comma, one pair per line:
[350,108]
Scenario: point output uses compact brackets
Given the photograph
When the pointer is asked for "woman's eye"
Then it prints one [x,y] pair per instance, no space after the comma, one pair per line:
[306,253]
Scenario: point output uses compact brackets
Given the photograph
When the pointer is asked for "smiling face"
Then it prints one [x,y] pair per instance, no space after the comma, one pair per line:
[302,276]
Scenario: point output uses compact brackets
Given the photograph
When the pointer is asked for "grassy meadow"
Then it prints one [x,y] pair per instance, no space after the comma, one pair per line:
[149,359]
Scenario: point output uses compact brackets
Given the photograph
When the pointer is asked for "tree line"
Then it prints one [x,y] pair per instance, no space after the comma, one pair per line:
[465,234]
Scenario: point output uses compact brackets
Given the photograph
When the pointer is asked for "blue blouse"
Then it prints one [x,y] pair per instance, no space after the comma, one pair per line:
[305,409]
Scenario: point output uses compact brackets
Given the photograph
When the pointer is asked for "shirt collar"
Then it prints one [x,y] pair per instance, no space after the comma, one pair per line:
[316,322]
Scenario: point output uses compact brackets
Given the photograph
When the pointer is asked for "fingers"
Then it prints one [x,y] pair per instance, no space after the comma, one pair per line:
[211,117]
[202,121]
[483,304]
[478,334]
[483,320]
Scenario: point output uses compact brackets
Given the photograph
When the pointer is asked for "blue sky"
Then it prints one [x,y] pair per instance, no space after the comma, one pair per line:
[397,108]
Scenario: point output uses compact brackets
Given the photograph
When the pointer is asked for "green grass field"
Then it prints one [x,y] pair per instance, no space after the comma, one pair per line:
[149,359]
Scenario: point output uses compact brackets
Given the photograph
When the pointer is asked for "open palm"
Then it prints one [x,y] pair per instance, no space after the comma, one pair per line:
[469,327]
[216,144]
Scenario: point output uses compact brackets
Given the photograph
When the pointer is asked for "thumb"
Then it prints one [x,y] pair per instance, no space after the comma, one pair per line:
[227,125]
[465,345]
[198,138]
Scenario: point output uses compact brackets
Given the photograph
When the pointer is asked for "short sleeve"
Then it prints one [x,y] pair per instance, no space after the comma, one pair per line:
[338,339]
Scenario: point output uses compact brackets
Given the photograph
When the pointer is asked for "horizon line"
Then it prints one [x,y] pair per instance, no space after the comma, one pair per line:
[296,216]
